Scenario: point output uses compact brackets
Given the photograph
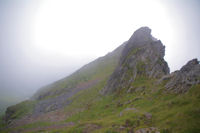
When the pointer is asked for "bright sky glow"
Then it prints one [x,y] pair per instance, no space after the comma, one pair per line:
[92,28]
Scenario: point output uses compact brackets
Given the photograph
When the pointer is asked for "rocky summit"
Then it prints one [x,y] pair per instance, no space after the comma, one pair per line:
[143,55]
[129,90]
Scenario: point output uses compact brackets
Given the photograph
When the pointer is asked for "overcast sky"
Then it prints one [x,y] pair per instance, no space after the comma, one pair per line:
[42,41]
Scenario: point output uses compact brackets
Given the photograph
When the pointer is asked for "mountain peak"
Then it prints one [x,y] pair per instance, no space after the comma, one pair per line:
[143,55]
[141,35]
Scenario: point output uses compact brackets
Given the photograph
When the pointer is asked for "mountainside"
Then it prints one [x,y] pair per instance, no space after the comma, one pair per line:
[129,90]
[7,99]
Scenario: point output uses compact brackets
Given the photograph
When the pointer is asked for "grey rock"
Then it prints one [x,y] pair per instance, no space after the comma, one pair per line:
[141,56]
[166,78]
[60,101]
[148,130]
[122,127]
[52,104]
[148,116]
[128,109]
[182,80]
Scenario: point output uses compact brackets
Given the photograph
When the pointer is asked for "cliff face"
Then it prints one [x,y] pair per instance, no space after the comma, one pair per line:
[141,56]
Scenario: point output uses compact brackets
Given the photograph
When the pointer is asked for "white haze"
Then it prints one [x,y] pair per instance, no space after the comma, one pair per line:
[42,41]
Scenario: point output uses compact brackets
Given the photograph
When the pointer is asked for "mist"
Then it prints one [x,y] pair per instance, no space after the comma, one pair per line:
[23,69]
[36,50]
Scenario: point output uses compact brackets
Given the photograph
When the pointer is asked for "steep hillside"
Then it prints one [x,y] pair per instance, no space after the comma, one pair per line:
[129,90]
[57,95]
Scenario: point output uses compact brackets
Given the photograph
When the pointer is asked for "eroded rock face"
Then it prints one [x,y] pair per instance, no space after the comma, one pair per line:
[180,81]
[141,56]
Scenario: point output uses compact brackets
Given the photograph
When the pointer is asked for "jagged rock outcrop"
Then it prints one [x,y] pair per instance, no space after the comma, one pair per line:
[180,81]
[141,56]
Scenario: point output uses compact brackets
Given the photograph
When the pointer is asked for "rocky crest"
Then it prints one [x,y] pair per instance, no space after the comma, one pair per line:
[141,56]
[180,81]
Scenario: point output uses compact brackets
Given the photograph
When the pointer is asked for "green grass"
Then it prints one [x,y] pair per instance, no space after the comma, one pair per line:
[2,124]
[140,68]
[170,112]
[19,110]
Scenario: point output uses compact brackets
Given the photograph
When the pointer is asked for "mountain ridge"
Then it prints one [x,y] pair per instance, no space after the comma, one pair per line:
[128,90]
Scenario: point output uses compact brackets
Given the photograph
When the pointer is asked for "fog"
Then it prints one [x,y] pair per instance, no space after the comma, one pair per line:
[42,41]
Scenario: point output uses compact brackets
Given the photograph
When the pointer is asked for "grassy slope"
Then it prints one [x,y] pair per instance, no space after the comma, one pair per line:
[99,69]
[170,112]
[92,112]
[21,109]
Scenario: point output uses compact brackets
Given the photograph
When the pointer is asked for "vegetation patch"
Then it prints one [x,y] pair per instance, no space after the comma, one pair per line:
[19,110]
